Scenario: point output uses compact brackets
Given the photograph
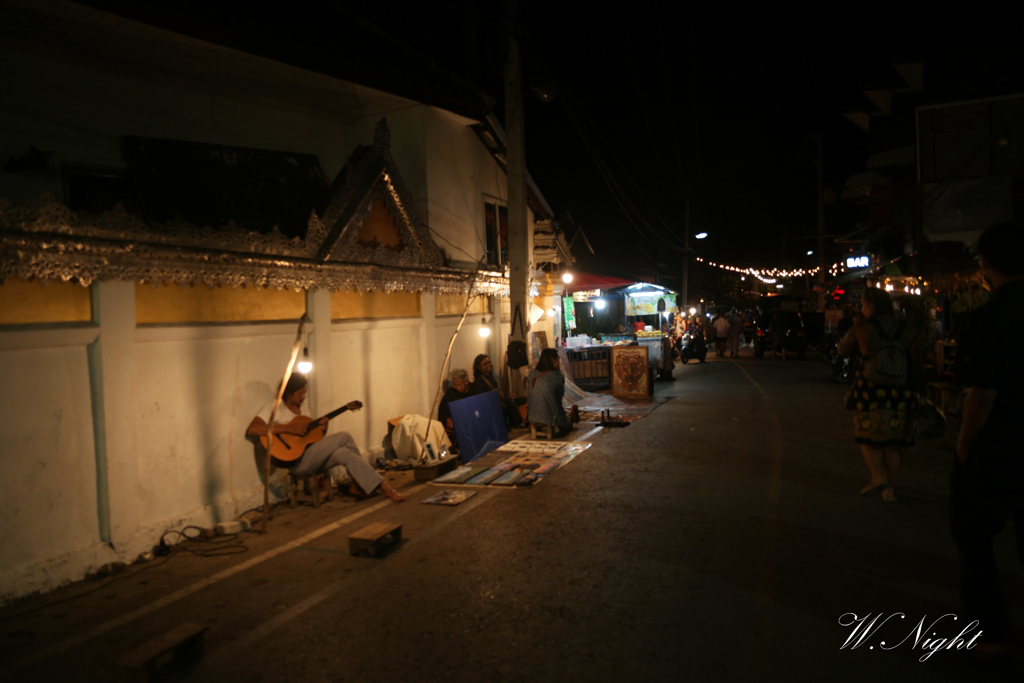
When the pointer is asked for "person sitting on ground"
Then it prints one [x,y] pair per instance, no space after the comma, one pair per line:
[460,388]
[545,388]
[333,450]
[484,381]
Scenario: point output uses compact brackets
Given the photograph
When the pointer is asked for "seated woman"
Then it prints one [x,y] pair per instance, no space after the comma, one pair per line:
[460,389]
[546,386]
[484,381]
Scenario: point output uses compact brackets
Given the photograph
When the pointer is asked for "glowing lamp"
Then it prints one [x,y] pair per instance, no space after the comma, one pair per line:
[566,278]
[304,365]
[599,304]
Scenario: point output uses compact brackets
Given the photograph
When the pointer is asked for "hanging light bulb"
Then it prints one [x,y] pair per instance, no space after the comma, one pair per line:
[305,365]
[567,277]
[551,312]
[484,330]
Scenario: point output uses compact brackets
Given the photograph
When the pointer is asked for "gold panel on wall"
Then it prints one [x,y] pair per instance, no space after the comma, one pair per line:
[174,304]
[454,304]
[379,227]
[23,302]
[346,305]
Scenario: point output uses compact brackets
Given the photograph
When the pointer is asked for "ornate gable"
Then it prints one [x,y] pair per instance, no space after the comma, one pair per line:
[369,216]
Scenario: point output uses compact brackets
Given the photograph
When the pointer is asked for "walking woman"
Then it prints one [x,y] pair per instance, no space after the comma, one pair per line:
[884,403]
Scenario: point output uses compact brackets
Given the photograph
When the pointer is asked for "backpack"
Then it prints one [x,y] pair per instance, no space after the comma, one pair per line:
[516,355]
[887,366]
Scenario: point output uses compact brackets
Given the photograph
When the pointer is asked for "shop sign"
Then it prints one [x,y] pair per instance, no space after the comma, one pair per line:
[586,295]
[858,261]
[647,304]
[570,312]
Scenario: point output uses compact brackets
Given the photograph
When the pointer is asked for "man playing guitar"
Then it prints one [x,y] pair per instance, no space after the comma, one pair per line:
[329,452]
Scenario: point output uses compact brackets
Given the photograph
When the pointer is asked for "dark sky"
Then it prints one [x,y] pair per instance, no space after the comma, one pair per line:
[720,99]
[714,97]
[731,101]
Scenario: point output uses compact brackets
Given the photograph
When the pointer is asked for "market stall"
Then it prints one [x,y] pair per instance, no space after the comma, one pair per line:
[634,314]
[649,308]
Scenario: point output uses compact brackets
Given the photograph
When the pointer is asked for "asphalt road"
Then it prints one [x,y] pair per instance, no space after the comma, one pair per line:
[720,538]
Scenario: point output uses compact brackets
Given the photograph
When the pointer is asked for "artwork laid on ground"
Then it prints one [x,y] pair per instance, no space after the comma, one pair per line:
[449,497]
[520,463]
[629,376]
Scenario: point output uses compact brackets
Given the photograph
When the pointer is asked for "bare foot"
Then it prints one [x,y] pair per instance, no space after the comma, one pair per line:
[394,495]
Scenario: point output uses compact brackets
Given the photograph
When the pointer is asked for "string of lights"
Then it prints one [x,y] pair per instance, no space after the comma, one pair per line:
[769,276]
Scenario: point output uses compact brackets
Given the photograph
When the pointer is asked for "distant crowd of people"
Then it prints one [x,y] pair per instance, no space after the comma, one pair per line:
[730,330]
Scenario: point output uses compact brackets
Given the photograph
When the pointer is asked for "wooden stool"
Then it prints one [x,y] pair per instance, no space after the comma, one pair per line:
[375,538]
[312,481]
[548,430]
[147,662]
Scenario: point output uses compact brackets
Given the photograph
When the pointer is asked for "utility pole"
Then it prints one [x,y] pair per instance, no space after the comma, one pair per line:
[515,151]
[683,302]
[821,229]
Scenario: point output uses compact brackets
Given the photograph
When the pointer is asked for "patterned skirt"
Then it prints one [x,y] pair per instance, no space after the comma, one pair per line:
[883,416]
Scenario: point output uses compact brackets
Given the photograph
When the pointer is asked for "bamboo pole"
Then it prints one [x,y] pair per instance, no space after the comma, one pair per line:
[440,382]
[270,424]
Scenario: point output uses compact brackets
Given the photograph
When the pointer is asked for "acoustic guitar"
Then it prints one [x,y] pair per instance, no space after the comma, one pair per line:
[288,447]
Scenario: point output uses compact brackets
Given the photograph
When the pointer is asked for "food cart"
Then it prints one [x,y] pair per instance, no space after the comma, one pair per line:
[649,309]
[646,315]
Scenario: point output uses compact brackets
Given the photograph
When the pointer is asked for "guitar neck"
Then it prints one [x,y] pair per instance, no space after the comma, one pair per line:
[332,414]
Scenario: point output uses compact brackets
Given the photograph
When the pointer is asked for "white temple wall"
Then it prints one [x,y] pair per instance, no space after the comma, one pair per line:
[48,491]
[168,404]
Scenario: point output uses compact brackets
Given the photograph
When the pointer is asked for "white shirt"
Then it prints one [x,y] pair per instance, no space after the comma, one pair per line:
[284,413]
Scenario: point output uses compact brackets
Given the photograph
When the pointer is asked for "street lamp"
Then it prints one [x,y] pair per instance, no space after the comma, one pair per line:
[567,277]
[701,235]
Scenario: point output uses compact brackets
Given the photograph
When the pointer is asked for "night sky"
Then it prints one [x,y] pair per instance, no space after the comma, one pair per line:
[713,97]
[725,100]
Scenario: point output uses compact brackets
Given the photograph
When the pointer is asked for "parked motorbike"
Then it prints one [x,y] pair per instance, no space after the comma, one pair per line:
[692,346]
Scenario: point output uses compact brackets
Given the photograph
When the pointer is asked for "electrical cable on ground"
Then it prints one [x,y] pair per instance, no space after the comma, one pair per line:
[229,544]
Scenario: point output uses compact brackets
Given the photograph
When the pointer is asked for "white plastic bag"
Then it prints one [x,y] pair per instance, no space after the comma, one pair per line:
[408,437]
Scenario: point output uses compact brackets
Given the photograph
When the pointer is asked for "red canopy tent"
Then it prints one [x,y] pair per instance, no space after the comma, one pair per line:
[586,281]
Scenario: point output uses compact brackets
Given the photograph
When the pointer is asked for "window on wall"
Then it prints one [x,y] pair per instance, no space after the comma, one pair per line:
[496,226]
[96,189]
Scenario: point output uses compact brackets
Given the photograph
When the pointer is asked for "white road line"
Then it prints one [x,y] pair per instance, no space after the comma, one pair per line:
[245,643]
[197,586]
[583,437]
